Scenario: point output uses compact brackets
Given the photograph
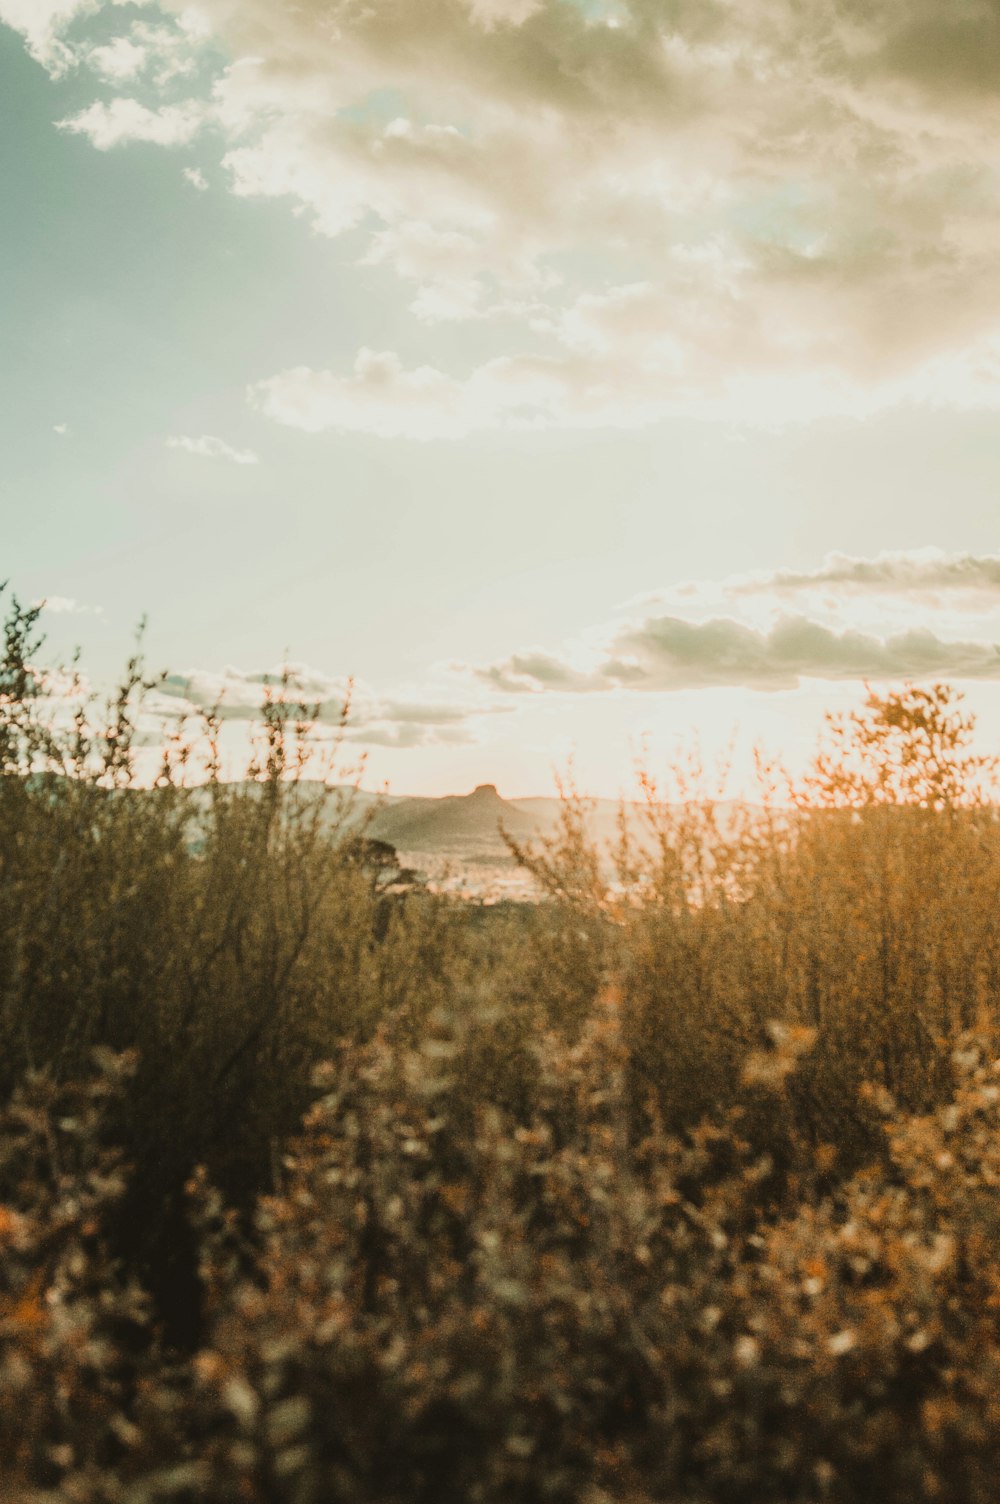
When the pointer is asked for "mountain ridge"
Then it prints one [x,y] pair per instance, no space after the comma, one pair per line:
[477,819]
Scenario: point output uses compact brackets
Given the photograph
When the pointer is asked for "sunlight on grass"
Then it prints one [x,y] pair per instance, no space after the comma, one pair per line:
[678,1184]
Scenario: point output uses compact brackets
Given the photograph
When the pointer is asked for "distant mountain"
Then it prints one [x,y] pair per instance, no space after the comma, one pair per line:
[466,824]
[463,831]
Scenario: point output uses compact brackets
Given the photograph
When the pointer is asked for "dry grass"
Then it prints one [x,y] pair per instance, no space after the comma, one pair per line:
[681,1187]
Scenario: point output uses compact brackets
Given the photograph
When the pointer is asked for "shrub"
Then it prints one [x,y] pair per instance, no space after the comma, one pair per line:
[680,1186]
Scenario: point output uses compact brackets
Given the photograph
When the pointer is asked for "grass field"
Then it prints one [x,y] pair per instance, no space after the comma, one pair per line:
[678,1186]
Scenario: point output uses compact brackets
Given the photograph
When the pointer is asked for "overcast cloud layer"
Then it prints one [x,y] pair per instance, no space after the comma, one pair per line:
[743,207]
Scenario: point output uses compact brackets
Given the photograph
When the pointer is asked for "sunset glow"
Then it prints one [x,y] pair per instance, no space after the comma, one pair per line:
[572,377]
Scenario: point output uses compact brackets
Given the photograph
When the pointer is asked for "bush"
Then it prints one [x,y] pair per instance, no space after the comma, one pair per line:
[679,1186]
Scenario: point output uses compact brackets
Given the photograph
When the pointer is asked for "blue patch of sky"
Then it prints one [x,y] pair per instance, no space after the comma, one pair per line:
[378,108]
[381,107]
[134,308]
[780,216]
[600,10]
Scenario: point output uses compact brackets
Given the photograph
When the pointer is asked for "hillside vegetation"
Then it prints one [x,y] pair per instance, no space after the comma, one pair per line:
[678,1186]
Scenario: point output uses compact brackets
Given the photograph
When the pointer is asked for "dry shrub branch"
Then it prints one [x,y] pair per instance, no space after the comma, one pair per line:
[679,1186]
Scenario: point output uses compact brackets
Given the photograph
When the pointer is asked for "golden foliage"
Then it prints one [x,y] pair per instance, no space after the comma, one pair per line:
[680,1187]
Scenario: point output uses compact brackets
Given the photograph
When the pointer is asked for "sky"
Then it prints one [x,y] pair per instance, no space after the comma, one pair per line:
[574,377]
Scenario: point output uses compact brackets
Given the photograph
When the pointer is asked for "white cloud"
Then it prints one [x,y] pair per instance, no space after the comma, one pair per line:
[44,25]
[212,448]
[118,60]
[574,388]
[41,23]
[927,574]
[62,429]
[667,653]
[196,178]
[124,120]
[901,584]
[764,210]
[240,695]
[735,152]
[381,397]
[389,721]
[913,615]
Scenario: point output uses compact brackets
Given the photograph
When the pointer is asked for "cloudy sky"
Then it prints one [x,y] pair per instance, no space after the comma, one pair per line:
[565,372]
